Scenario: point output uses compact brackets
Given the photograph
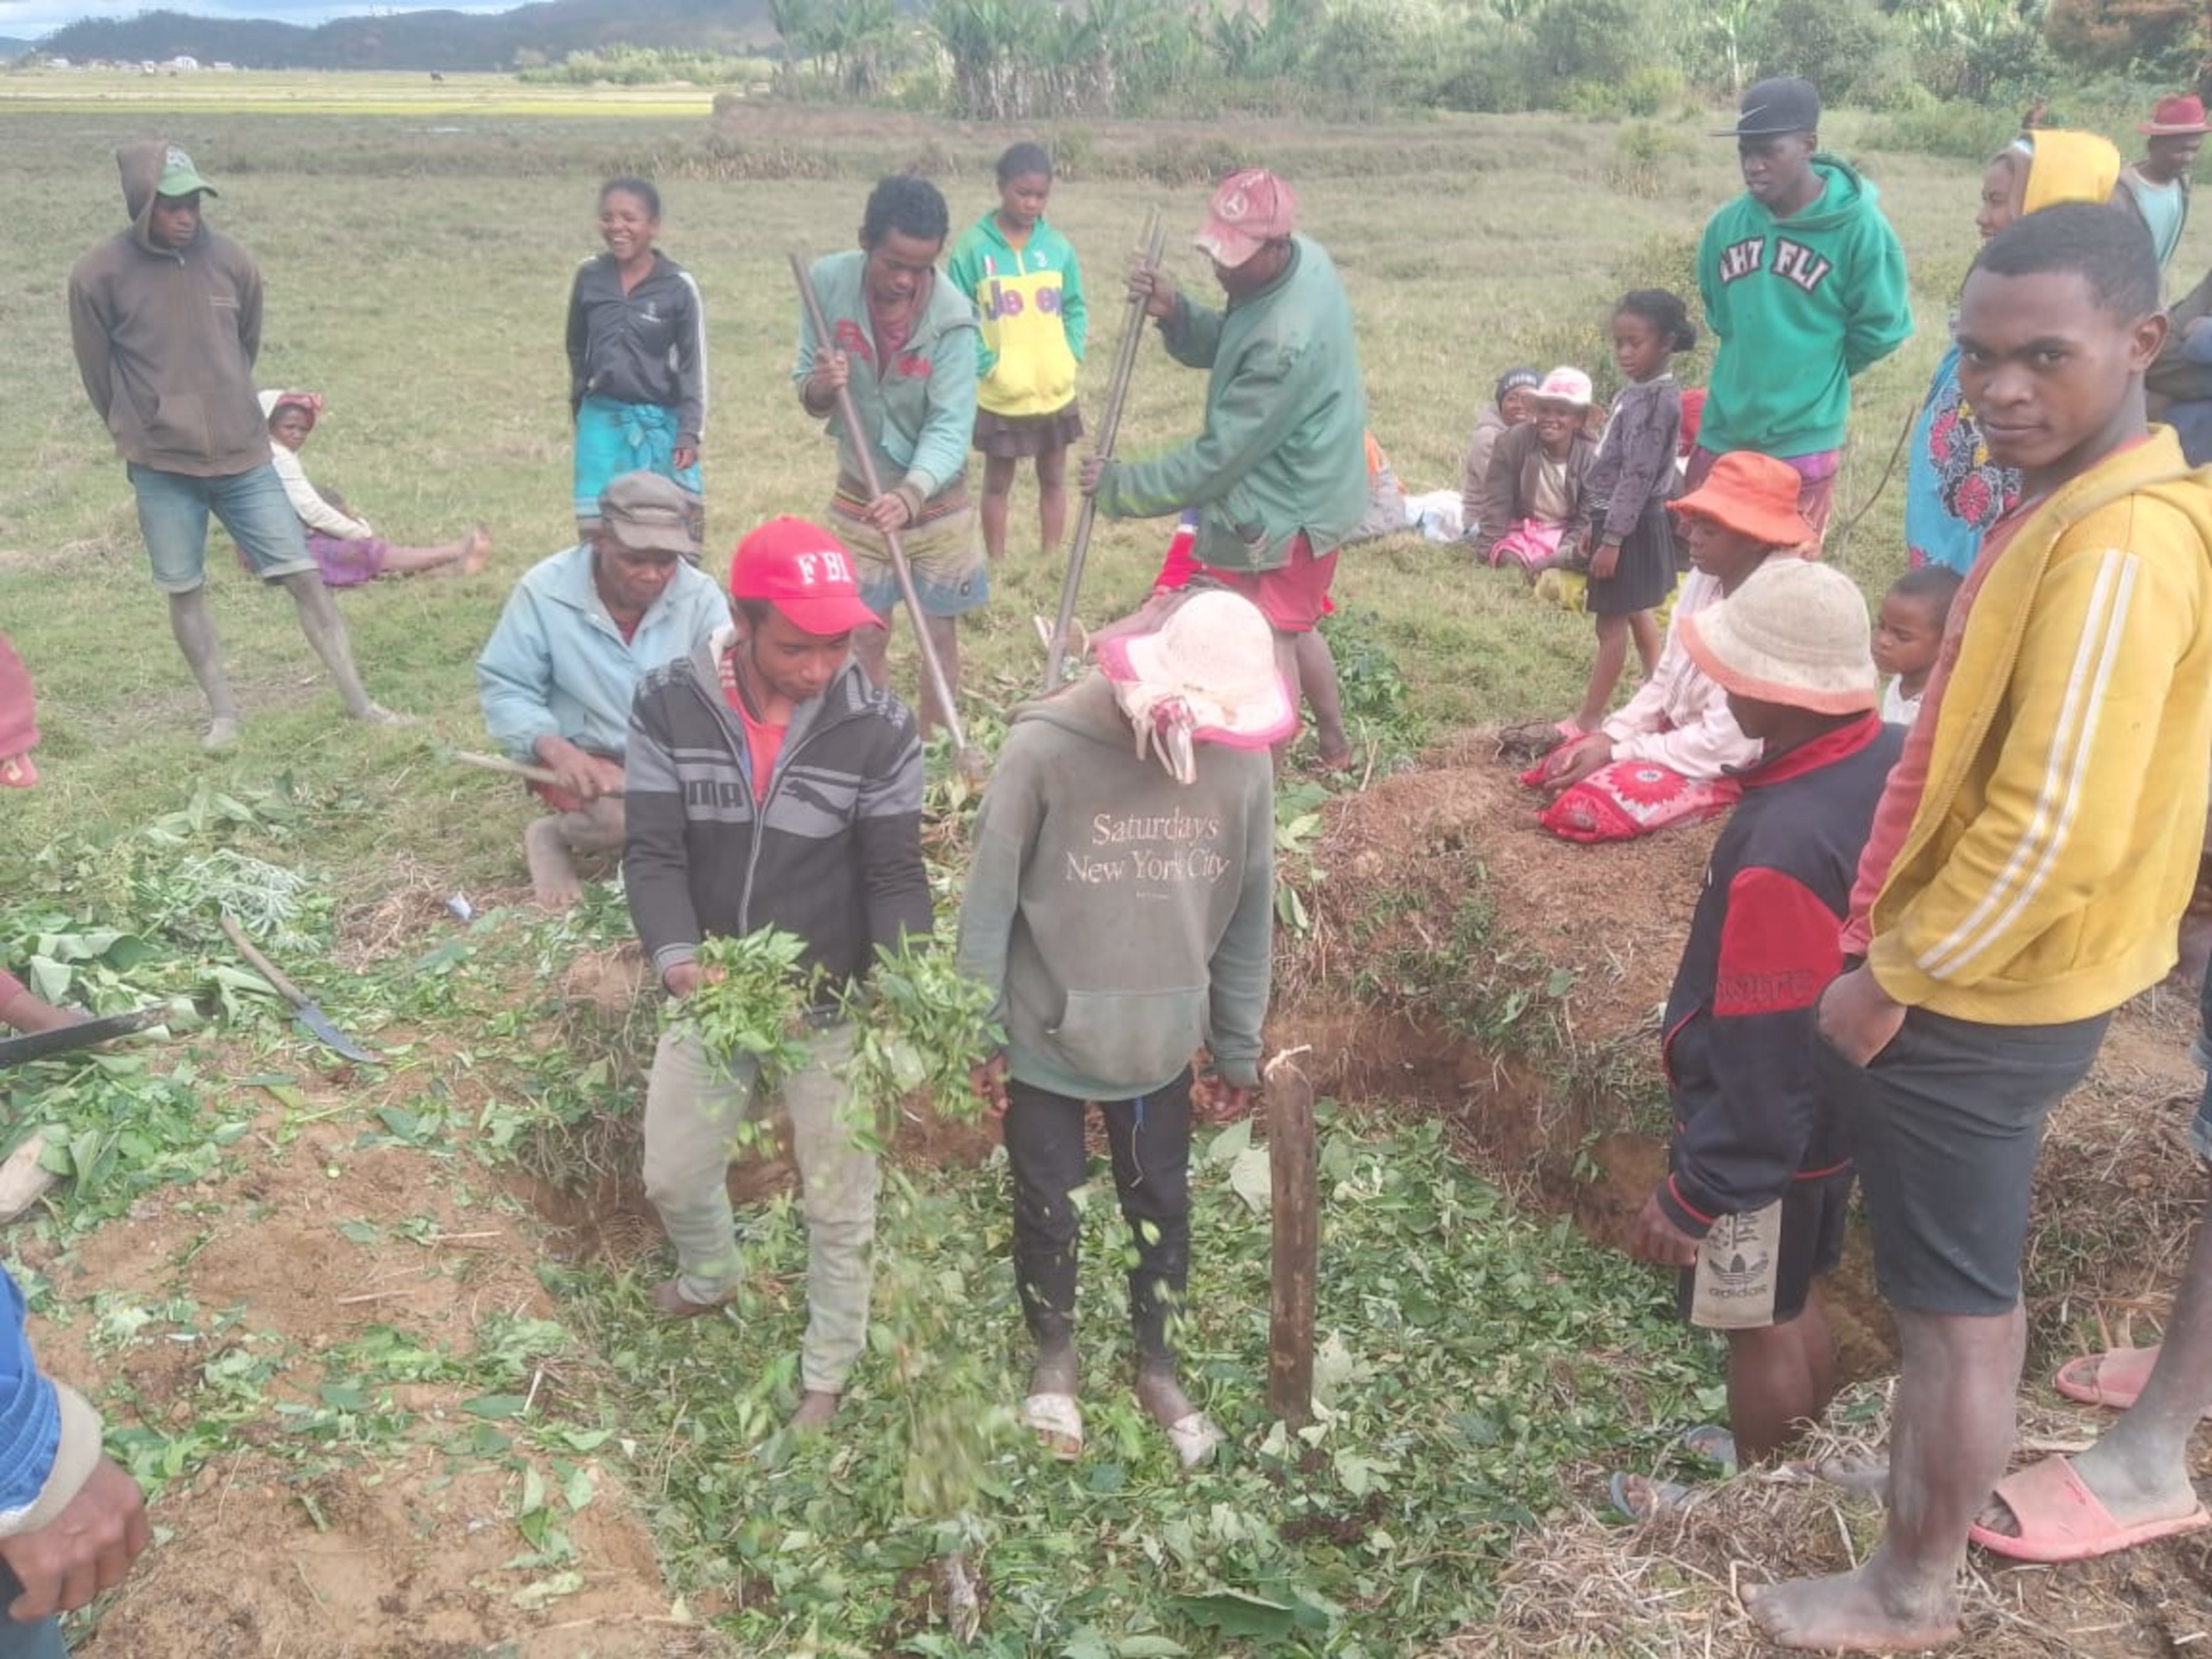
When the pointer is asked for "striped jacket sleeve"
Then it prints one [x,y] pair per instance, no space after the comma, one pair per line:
[2089,688]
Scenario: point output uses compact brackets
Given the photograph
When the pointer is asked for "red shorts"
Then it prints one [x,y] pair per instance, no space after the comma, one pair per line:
[1293,596]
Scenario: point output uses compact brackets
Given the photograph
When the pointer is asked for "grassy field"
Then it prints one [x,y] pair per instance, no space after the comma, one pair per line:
[418,242]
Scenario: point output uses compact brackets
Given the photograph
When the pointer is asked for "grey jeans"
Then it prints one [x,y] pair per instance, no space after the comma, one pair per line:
[693,1112]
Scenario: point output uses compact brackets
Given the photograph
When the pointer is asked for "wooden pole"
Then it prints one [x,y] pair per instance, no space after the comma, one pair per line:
[1297,1223]
[1110,426]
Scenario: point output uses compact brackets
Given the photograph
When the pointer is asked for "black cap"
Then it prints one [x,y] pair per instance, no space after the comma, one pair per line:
[1771,108]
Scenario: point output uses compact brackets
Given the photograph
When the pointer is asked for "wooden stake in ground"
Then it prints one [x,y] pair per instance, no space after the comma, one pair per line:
[970,761]
[1110,424]
[1295,1215]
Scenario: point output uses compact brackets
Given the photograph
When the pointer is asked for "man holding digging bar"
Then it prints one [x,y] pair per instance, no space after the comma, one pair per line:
[1278,472]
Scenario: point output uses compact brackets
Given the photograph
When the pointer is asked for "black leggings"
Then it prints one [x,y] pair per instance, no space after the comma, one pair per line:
[1150,1137]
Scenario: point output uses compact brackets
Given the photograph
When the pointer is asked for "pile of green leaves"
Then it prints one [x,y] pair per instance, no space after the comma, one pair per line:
[1477,1370]
[921,1027]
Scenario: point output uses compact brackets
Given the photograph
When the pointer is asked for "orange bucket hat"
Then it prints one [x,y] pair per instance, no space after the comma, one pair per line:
[1752,494]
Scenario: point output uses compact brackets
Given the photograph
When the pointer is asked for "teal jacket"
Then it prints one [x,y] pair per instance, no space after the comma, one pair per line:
[557,666]
[1034,321]
[1800,306]
[1284,447]
[920,413]
[1123,919]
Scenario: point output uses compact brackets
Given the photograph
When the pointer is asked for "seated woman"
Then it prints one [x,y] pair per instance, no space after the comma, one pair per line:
[1508,407]
[345,549]
[19,722]
[1668,756]
[1532,496]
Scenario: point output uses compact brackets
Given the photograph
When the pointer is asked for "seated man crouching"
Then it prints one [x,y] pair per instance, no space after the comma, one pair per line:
[579,631]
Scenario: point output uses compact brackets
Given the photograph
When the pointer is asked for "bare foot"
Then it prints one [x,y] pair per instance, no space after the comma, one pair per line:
[478,554]
[221,732]
[1853,1612]
[553,880]
[815,1408]
[1853,1472]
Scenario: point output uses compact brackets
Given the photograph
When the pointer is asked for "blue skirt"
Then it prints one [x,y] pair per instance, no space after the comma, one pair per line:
[612,439]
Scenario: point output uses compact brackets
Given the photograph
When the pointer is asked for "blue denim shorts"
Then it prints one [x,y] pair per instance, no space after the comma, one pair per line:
[172,516]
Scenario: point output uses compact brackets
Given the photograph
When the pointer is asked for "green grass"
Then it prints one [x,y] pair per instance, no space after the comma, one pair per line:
[416,276]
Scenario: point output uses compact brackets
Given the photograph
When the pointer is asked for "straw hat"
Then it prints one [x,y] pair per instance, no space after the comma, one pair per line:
[1795,633]
[1754,495]
[1216,654]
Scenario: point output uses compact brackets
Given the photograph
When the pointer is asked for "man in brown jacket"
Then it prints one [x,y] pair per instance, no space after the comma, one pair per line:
[166,319]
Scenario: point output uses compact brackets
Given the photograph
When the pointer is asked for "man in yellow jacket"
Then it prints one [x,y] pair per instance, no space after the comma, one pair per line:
[2030,859]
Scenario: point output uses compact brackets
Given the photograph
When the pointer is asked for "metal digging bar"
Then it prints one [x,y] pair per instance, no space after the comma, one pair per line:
[1110,426]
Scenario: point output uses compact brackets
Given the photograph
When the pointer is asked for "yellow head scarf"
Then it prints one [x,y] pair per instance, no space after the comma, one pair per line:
[2068,166]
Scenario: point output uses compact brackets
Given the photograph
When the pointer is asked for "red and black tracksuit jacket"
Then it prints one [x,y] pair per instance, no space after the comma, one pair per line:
[1763,946]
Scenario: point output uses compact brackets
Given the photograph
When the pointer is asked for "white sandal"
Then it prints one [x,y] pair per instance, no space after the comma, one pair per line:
[1057,1422]
[1194,1438]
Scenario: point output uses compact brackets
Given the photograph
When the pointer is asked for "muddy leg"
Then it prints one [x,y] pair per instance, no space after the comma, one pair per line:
[194,627]
[997,502]
[1316,679]
[326,631]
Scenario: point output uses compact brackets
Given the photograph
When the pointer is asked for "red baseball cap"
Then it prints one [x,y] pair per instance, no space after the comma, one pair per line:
[802,571]
[1248,210]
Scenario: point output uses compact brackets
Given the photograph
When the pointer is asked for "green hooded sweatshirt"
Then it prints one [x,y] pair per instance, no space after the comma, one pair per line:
[1123,919]
[1800,306]
[1284,447]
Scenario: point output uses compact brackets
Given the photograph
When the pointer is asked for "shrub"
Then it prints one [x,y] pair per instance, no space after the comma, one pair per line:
[1853,51]
[1649,88]
[1962,132]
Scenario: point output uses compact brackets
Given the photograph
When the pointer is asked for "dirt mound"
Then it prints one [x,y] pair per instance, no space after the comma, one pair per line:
[1462,959]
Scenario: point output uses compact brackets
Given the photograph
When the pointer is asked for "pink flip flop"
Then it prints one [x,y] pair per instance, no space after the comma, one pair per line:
[2113,1379]
[2060,1519]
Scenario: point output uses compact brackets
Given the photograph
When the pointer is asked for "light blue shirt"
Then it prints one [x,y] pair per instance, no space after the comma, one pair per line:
[2163,209]
[558,666]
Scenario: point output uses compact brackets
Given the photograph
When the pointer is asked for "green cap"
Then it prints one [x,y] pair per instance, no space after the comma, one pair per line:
[179,177]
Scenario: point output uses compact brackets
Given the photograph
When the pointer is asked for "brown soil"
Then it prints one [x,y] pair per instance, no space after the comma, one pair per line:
[399,1548]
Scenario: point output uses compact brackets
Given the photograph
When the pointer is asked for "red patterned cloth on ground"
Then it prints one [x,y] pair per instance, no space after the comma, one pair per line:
[1630,798]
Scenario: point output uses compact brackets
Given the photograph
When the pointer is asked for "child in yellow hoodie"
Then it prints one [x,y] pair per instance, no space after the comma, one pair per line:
[1028,291]
[2031,857]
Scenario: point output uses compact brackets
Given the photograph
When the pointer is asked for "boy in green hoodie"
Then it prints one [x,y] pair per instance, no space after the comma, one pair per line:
[1123,913]
[1803,283]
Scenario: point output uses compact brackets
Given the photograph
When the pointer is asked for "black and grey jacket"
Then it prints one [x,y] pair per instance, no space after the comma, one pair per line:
[647,346]
[833,855]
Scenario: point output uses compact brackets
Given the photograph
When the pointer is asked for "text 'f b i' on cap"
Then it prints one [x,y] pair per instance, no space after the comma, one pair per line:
[1794,634]
[805,572]
[1249,209]
[1771,108]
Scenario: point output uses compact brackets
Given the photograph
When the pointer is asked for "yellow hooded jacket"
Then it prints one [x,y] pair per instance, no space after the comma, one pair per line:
[2057,840]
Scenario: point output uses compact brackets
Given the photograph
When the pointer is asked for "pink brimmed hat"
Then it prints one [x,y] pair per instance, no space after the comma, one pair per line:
[2176,117]
[1796,634]
[1216,652]
[1249,209]
[1565,385]
[802,571]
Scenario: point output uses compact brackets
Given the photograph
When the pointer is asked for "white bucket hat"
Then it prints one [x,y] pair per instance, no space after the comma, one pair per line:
[1209,674]
[1796,634]
[1565,385]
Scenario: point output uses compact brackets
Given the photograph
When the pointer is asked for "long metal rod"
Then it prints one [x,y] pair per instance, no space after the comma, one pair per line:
[933,669]
[1109,427]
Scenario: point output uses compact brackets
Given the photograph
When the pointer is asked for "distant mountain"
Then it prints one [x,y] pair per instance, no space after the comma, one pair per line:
[11,47]
[420,39]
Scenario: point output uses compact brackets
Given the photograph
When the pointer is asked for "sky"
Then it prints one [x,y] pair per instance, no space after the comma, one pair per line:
[29,19]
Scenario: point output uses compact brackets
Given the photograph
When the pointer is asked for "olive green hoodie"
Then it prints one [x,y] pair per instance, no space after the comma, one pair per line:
[1123,919]
[166,339]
